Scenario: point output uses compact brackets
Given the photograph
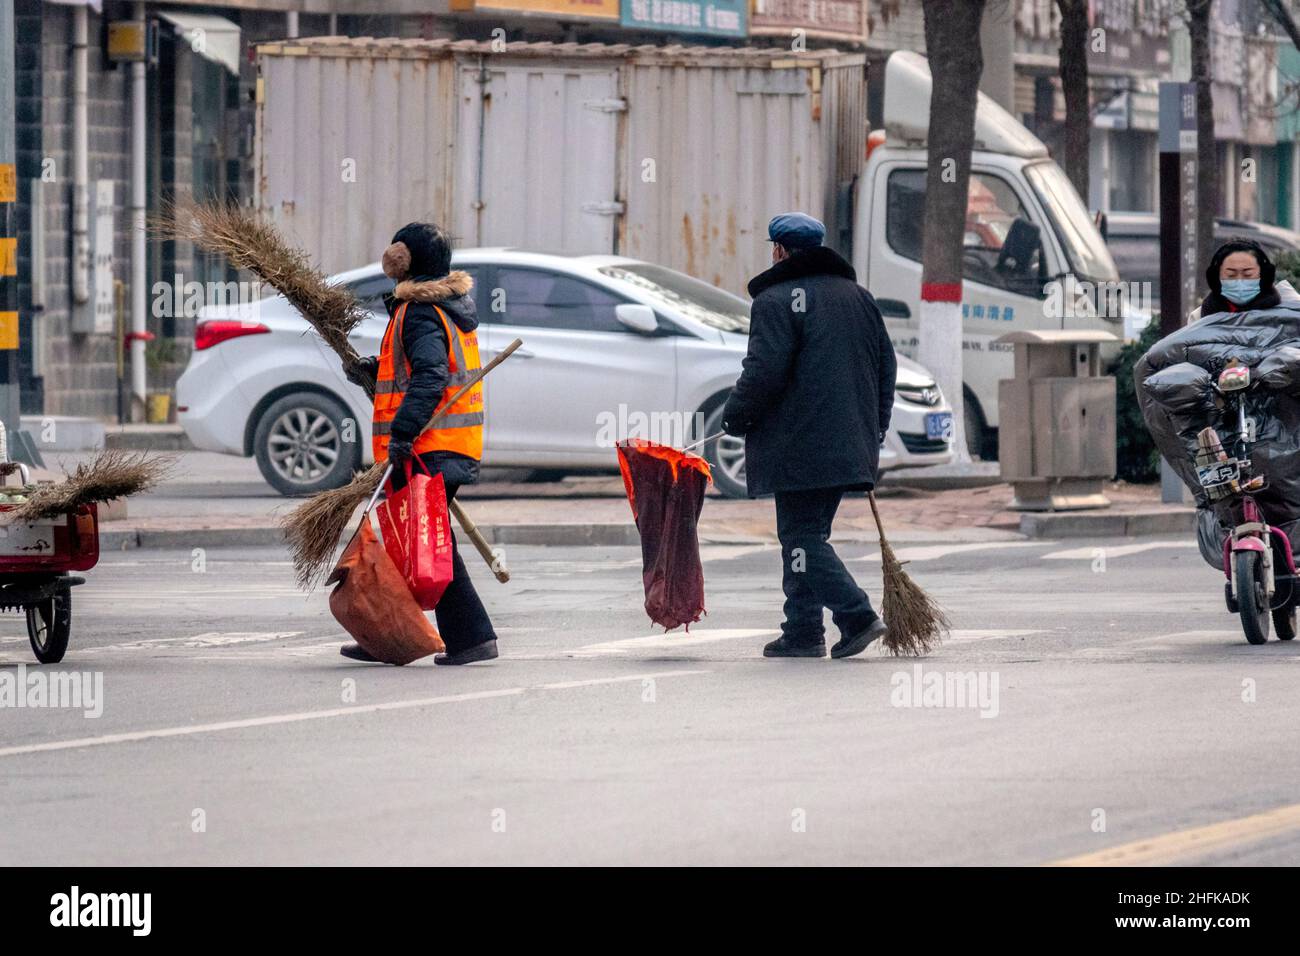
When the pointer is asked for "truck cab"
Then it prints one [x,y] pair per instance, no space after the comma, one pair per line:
[1034,258]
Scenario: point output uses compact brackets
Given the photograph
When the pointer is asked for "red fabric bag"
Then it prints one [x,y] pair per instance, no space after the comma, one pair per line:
[417,534]
[665,488]
[374,605]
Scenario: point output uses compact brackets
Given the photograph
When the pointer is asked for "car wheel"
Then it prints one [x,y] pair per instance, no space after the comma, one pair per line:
[302,444]
[726,458]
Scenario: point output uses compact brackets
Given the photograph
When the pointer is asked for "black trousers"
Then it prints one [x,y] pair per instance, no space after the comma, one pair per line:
[813,577]
[462,619]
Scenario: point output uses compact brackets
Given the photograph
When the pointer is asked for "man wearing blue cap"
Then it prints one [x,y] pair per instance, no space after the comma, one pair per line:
[813,403]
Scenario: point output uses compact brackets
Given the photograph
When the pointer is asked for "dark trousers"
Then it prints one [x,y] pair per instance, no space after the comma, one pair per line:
[813,577]
[462,619]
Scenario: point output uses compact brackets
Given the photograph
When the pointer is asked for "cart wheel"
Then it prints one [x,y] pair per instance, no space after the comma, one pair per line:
[49,624]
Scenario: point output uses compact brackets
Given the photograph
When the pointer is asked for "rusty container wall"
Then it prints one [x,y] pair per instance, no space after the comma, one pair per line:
[340,166]
[678,155]
[715,147]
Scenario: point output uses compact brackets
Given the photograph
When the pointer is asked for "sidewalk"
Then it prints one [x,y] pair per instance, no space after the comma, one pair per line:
[220,501]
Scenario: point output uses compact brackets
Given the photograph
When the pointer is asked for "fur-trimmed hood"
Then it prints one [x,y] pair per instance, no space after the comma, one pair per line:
[450,293]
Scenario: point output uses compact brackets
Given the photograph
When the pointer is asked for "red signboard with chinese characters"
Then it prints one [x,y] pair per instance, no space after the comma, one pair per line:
[840,18]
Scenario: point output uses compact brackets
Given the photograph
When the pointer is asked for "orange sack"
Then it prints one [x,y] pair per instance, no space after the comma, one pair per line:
[374,605]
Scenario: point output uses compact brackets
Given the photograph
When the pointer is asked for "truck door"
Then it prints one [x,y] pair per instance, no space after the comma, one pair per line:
[536,157]
[1008,257]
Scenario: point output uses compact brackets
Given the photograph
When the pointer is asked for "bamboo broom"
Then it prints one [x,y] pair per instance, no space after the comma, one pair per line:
[314,528]
[915,622]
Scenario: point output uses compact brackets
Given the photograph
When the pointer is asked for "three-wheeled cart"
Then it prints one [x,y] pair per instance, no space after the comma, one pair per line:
[37,561]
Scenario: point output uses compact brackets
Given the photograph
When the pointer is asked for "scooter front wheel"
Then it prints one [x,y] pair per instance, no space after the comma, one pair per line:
[1252,597]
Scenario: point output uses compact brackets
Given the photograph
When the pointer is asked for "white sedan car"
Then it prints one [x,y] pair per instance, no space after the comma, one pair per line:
[612,348]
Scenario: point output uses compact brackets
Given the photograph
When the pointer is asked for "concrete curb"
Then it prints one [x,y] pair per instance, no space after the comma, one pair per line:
[1103,524]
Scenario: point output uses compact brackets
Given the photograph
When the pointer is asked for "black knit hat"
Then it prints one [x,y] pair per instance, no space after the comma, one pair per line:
[418,249]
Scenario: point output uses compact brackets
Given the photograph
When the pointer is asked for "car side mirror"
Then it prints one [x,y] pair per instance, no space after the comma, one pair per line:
[638,318]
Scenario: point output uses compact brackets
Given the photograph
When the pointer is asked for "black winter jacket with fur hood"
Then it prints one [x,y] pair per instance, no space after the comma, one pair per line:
[425,344]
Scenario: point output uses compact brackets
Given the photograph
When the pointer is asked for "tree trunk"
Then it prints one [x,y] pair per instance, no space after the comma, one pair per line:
[1207,155]
[952,29]
[1074,83]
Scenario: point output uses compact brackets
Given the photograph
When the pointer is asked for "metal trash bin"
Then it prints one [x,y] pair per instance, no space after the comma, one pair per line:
[1056,429]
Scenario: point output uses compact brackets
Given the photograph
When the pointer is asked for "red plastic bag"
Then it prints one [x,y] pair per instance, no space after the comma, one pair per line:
[666,490]
[417,535]
[374,605]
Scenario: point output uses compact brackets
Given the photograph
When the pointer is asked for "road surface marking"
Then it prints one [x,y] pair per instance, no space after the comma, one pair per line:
[1181,845]
[931,552]
[1120,551]
[728,552]
[979,635]
[672,640]
[305,715]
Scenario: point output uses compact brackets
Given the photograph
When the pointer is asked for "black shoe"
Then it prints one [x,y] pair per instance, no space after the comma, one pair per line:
[848,646]
[355,652]
[783,647]
[487,651]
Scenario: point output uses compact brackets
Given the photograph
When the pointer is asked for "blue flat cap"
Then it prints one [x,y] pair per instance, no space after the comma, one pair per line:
[794,230]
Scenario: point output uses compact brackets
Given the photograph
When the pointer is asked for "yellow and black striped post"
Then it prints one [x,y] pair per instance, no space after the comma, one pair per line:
[9,405]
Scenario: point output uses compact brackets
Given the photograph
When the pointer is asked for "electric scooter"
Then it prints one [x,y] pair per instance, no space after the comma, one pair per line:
[1257,558]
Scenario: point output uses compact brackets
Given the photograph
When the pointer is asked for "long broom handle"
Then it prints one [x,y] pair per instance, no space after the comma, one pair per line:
[501,573]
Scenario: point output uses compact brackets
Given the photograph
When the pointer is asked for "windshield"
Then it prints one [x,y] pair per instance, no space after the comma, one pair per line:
[689,297]
[1084,247]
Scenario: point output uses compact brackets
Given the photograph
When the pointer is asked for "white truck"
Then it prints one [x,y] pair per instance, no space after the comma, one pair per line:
[1034,257]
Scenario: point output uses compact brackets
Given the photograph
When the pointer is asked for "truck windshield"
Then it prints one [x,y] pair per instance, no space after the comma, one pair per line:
[1086,250]
[685,295]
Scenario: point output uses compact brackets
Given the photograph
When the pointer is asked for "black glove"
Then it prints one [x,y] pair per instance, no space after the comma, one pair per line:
[363,372]
[734,429]
[399,453]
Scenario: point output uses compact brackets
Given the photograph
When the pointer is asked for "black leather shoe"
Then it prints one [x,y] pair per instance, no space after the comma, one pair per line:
[354,652]
[487,651]
[848,646]
[782,647]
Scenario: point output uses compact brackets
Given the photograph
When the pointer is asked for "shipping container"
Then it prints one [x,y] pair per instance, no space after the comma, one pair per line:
[678,154]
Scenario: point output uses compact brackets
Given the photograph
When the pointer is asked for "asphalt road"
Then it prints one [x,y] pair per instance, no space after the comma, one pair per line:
[1115,708]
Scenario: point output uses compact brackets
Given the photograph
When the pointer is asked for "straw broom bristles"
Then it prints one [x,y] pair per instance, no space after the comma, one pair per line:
[314,528]
[251,243]
[915,622]
[111,474]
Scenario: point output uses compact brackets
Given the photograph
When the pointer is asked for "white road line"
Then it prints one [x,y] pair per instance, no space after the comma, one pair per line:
[930,552]
[729,552]
[672,640]
[1119,551]
[989,635]
[206,639]
[300,716]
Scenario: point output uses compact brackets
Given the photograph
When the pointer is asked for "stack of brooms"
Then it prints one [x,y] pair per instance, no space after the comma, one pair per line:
[314,528]
[110,474]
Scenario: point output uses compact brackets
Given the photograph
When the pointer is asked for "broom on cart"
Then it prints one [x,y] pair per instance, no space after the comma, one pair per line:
[314,528]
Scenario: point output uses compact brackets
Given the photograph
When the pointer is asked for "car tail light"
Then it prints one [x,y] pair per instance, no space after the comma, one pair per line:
[212,332]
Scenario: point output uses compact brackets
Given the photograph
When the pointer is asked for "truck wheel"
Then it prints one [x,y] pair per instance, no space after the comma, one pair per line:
[976,430]
[49,625]
[302,444]
[726,458]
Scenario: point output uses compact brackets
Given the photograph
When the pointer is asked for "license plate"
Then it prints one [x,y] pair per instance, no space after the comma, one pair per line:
[27,540]
[938,425]
[1220,473]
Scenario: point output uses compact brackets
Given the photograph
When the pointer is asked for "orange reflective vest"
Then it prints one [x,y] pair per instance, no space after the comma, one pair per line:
[461,430]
